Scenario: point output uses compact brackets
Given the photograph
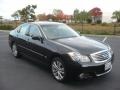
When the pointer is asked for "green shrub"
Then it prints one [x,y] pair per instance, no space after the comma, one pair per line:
[104,24]
[103,33]
[6,27]
[99,22]
[97,32]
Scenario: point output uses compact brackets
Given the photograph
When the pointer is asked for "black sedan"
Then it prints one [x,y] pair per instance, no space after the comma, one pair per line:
[63,50]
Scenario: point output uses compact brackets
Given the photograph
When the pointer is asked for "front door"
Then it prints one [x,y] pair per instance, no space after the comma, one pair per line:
[36,46]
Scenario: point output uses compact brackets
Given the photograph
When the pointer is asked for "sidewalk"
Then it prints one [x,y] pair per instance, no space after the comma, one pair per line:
[5,31]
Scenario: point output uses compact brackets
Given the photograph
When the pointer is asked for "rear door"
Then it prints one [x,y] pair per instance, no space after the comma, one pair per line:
[22,38]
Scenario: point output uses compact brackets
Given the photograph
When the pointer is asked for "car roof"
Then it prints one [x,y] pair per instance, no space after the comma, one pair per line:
[45,23]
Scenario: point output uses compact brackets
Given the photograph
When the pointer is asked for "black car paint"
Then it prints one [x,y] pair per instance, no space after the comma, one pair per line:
[83,44]
[46,50]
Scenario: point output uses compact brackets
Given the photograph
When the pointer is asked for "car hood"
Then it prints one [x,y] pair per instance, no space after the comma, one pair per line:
[83,44]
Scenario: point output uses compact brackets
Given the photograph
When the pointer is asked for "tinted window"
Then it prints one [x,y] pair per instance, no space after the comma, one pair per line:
[57,31]
[34,31]
[24,29]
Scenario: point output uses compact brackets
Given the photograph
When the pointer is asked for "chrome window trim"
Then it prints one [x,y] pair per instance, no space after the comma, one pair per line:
[40,34]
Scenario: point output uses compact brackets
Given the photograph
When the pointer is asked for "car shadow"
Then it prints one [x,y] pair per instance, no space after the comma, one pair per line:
[40,66]
[91,81]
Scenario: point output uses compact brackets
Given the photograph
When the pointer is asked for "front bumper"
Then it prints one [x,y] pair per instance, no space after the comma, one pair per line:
[100,74]
[96,69]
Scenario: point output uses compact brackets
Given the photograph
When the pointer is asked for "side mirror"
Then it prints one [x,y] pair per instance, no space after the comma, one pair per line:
[38,38]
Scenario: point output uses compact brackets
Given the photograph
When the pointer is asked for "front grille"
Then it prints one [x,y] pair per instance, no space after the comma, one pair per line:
[101,56]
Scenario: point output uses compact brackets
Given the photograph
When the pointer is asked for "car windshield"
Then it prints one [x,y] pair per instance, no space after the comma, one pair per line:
[58,31]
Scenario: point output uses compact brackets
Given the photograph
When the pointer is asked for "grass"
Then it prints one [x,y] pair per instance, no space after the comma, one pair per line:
[6,27]
[99,29]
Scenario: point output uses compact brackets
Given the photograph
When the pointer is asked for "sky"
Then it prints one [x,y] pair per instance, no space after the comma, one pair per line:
[7,7]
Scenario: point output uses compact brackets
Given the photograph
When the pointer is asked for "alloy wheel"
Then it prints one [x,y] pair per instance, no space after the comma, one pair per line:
[14,50]
[58,70]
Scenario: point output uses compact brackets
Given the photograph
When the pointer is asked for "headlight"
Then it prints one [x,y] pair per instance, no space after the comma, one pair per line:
[76,56]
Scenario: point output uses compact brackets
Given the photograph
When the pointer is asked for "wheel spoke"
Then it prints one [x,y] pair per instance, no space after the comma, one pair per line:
[58,70]
[59,75]
[55,65]
[59,65]
[62,72]
[14,50]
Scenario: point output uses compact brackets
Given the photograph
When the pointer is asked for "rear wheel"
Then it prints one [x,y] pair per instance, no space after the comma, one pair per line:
[58,69]
[15,51]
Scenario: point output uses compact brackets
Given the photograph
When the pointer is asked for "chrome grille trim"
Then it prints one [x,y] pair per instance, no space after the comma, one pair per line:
[101,56]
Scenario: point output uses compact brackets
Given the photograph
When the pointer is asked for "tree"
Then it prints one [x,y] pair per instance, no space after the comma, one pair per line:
[41,17]
[16,15]
[1,17]
[116,15]
[58,14]
[84,16]
[76,15]
[27,13]
[51,17]
[81,16]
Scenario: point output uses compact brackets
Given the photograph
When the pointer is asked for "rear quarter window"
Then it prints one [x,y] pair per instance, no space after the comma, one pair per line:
[24,29]
[18,29]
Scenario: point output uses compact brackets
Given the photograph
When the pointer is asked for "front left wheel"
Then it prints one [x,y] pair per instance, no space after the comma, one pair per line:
[58,69]
[15,50]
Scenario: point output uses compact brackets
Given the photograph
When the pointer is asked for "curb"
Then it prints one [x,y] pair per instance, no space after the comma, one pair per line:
[4,31]
[100,35]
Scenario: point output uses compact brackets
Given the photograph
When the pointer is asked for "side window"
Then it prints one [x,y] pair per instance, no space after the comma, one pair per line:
[34,31]
[24,29]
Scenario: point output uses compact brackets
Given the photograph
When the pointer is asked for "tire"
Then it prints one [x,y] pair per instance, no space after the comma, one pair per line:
[15,51]
[58,70]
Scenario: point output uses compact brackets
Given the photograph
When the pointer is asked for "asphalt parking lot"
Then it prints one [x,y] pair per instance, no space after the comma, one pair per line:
[22,74]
